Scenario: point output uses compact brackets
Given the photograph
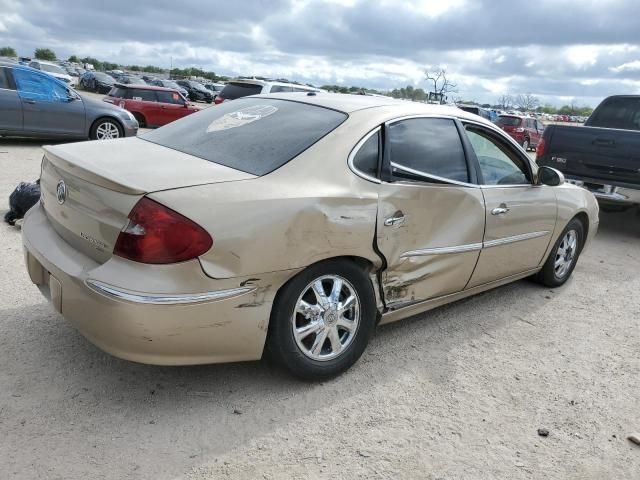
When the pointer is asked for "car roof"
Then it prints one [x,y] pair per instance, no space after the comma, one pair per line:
[256,81]
[144,87]
[349,103]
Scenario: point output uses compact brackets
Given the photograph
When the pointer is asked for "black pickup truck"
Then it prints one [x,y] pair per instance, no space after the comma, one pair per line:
[603,155]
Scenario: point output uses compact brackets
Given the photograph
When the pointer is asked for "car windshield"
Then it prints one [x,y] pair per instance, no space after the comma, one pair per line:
[509,121]
[254,135]
[45,67]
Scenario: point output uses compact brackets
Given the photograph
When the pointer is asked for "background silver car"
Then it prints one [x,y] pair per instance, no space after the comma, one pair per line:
[34,104]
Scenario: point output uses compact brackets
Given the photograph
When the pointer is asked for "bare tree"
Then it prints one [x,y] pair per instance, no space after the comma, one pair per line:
[441,84]
[526,102]
[505,101]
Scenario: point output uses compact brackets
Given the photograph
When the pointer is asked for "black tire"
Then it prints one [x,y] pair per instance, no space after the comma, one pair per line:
[142,122]
[281,343]
[104,121]
[549,276]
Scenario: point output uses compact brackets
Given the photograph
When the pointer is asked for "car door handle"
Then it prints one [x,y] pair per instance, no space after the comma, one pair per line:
[604,142]
[397,219]
[30,101]
[501,210]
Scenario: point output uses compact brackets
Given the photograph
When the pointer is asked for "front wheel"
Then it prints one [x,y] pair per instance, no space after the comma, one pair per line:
[322,320]
[106,129]
[563,257]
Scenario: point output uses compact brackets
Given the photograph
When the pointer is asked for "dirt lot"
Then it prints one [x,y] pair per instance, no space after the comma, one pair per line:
[458,393]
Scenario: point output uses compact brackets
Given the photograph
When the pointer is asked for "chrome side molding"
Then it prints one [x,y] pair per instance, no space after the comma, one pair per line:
[472,247]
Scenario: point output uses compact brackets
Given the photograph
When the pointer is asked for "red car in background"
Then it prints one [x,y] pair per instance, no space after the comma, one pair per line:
[526,131]
[152,106]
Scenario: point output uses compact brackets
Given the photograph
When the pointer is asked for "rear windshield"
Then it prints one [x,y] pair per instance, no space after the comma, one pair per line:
[617,112]
[236,90]
[509,121]
[254,135]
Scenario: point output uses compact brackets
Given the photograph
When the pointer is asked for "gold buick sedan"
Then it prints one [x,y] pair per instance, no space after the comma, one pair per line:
[293,224]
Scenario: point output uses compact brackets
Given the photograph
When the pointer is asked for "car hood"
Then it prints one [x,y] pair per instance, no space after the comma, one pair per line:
[134,166]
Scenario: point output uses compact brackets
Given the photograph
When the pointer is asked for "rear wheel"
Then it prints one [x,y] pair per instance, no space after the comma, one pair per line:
[106,129]
[322,320]
[564,256]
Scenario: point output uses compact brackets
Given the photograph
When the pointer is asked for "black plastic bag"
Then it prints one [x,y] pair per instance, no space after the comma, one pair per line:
[25,196]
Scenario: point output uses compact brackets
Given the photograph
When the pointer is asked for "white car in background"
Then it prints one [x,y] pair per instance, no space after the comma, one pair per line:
[55,71]
[243,87]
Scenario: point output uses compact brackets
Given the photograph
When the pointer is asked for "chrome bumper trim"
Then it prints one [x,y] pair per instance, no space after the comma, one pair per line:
[162,299]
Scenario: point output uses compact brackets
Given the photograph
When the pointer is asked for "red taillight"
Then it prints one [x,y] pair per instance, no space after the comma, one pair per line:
[540,149]
[218,100]
[157,234]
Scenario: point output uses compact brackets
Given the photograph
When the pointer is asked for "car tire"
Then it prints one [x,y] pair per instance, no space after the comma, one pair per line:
[142,122]
[316,338]
[525,145]
[106,129]
[563,256]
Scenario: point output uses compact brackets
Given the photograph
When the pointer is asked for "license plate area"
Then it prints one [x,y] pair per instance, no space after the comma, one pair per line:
[49,285]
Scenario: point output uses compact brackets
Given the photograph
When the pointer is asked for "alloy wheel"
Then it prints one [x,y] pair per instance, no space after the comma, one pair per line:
[326,318]
[566,253]
[107,131]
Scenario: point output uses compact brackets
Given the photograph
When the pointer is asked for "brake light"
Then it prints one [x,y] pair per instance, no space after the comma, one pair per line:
[218,100]
[158,235]
[540,148]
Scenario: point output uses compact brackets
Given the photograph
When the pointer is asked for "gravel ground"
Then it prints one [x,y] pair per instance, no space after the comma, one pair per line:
[458,393]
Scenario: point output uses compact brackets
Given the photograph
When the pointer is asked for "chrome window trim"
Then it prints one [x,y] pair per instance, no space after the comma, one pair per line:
[165,299]
[355,151]
[515,238]
[428,176]
[473,247]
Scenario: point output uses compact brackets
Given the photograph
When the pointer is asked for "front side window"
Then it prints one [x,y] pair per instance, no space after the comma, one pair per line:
[4,79]
[366,158]
[35,86]
[429,146]
[499,163]
[169,97]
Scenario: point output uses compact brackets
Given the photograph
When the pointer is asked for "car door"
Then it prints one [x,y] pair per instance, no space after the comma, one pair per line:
[48,106]
[10,105]
[430,214]
[520,216]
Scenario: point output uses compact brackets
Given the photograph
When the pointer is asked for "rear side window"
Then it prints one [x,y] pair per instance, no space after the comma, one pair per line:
[237,90]
[253,135]
[430,146]
[509,121]
[280,89]
[617,112]
[144,95]
[366,158]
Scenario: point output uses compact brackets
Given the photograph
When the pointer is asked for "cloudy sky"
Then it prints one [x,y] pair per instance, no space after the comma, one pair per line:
[556,49]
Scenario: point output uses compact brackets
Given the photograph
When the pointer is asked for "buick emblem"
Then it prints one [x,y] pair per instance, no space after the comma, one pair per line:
[61,192]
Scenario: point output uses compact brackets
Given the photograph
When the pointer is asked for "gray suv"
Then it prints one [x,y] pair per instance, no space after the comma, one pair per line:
[34,104]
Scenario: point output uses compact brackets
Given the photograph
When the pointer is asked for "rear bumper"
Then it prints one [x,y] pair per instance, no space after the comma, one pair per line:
[609,194]
[155,314]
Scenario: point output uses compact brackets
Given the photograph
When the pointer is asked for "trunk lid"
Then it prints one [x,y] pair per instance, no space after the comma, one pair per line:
[89,188]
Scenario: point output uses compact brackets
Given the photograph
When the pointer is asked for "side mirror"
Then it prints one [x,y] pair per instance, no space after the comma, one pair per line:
[550,176]
[186,104]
